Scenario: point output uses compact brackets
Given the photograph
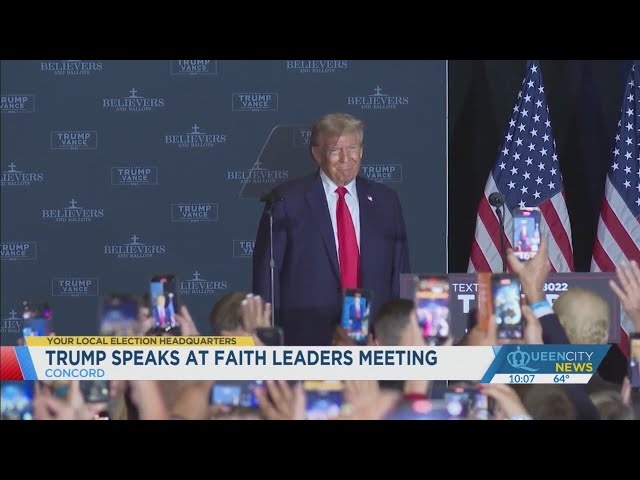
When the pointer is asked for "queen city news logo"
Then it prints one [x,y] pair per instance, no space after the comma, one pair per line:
[193,67]
[71,67]
[12,323]
[73,213]
[196,139]
[15,251]
[18,178]
[134,176]
[74,287]
[317,66]
[201,286]
[194,212]
[17,103]
[378,100]
[74,140]
[243,248]
[577,361]
[254,102]
[134,249]
[133,103]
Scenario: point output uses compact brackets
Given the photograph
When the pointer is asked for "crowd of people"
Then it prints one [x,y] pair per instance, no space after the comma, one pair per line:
[335,231]
[578,316]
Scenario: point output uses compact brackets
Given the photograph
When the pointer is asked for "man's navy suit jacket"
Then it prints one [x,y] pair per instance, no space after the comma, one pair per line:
[308,293]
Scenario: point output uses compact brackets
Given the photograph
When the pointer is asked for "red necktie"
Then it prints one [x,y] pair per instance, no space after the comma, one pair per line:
[347,243]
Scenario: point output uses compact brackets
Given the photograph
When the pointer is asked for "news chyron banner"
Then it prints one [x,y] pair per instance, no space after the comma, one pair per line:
[237,358]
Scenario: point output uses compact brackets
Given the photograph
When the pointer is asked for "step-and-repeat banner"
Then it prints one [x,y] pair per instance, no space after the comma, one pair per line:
[113,171]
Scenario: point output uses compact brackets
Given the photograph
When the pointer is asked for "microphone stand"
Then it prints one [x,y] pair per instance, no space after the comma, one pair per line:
[503,250]
[272,263]
[269,199]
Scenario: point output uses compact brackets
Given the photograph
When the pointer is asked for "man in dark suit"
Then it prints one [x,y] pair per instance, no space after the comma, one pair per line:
[332,230]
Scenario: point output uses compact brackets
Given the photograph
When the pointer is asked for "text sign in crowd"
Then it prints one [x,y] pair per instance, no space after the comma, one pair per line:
[463,288]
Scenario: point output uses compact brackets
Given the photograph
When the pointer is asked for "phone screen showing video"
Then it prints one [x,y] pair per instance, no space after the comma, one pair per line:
[164,301]
[16,400]
[634,362]
[324,399]
[526,232]
[356,307]
[237,393]
[432,307]
[271,336]
[37,318]
[506,305]
[95,391]
[118,316]
[467,404]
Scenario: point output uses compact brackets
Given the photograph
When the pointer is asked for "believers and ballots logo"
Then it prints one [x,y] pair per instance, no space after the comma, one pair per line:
[71,67]
[201,286]
[317,66]
[12,323]
[377,100]
[18,178]
[544,363]
[195,138]
[72,213]
[133,103]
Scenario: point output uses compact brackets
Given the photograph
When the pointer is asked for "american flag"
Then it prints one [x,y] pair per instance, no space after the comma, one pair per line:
[618,236]
[527,173]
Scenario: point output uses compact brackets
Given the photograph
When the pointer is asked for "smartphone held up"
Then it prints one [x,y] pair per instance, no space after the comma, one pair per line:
[431,298]
[506,300]
[37,319]
[356,307]
[526,232]
[163,293]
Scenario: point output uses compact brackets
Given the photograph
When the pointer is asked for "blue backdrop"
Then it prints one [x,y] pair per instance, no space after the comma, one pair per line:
[115,170]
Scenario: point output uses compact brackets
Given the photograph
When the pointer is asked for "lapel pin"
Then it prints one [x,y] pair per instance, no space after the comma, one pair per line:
[370,198]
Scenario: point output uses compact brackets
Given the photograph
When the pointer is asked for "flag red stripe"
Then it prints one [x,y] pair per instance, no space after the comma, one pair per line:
[557,230]
[488,217]
[602,258]
[477,258]
[618,232]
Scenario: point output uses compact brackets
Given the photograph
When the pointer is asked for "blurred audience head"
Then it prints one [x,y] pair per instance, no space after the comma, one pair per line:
[549,402]
[610,406]
[226,315]
[584,315]
[394,322]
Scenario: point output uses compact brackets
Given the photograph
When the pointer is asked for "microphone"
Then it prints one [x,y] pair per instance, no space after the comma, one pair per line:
[272,196]
[496,199]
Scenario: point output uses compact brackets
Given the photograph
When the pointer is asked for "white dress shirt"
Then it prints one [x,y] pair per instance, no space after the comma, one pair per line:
[351,198]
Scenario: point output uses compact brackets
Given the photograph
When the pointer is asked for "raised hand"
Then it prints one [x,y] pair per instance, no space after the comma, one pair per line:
[629,290]
[532,272]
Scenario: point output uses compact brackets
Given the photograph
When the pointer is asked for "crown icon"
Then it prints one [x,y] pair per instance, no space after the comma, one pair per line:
[520,360]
